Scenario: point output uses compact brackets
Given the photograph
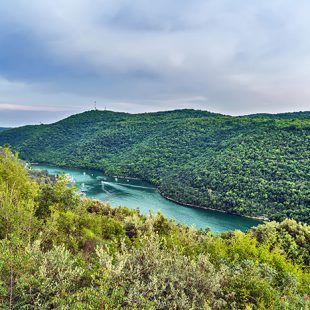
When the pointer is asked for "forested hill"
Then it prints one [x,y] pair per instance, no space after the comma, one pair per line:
[289,115]
[257,166]
[3,128]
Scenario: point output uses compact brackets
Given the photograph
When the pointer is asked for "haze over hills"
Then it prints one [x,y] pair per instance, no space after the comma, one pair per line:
[257,165]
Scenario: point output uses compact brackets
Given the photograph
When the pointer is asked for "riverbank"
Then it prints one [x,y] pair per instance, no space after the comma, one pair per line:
[166,197]
[263,219]
[258,218]
[127,178]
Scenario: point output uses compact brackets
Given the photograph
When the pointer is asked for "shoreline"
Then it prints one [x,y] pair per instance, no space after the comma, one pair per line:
[128,178]
[89,169]
[262,219]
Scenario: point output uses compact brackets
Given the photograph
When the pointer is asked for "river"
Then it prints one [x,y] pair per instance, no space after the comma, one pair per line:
[139,194]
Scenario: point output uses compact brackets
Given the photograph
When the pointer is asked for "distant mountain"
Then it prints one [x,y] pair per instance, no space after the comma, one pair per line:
[288,115]
[257,165]
[3,128]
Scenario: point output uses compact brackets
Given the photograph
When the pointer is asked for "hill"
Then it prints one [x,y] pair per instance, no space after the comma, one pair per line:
[3,128]
[255,166]
[288,115]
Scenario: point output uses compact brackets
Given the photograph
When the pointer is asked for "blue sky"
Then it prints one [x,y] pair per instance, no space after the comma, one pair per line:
[235,57]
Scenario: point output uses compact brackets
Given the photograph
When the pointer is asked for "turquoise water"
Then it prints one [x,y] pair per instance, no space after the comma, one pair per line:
[139,194]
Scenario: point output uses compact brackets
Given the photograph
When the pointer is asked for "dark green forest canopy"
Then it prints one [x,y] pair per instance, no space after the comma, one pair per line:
[288,115]
[258,165]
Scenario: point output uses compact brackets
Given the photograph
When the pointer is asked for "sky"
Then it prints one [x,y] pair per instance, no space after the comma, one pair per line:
[234,57]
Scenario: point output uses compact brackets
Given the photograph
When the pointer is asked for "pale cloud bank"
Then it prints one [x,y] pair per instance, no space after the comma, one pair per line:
[20,107]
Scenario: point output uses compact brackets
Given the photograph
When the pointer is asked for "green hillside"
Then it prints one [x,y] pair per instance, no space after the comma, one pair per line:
[3,128]
[257,165]
[288,115]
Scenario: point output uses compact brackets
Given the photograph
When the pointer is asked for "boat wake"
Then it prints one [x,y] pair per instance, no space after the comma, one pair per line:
[128,185]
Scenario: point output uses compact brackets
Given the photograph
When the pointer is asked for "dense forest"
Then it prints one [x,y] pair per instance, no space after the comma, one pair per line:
[258,165]
[3,128]
[288,115]
[61,251]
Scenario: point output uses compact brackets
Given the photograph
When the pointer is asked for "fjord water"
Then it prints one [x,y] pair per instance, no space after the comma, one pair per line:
[139,194]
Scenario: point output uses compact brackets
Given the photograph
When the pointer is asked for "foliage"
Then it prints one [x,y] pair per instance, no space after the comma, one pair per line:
[292,237]
[84,254]
[257,165]
[17,194]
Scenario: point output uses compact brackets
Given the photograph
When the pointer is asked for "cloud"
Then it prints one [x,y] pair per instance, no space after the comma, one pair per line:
[243,56]
[20,107]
